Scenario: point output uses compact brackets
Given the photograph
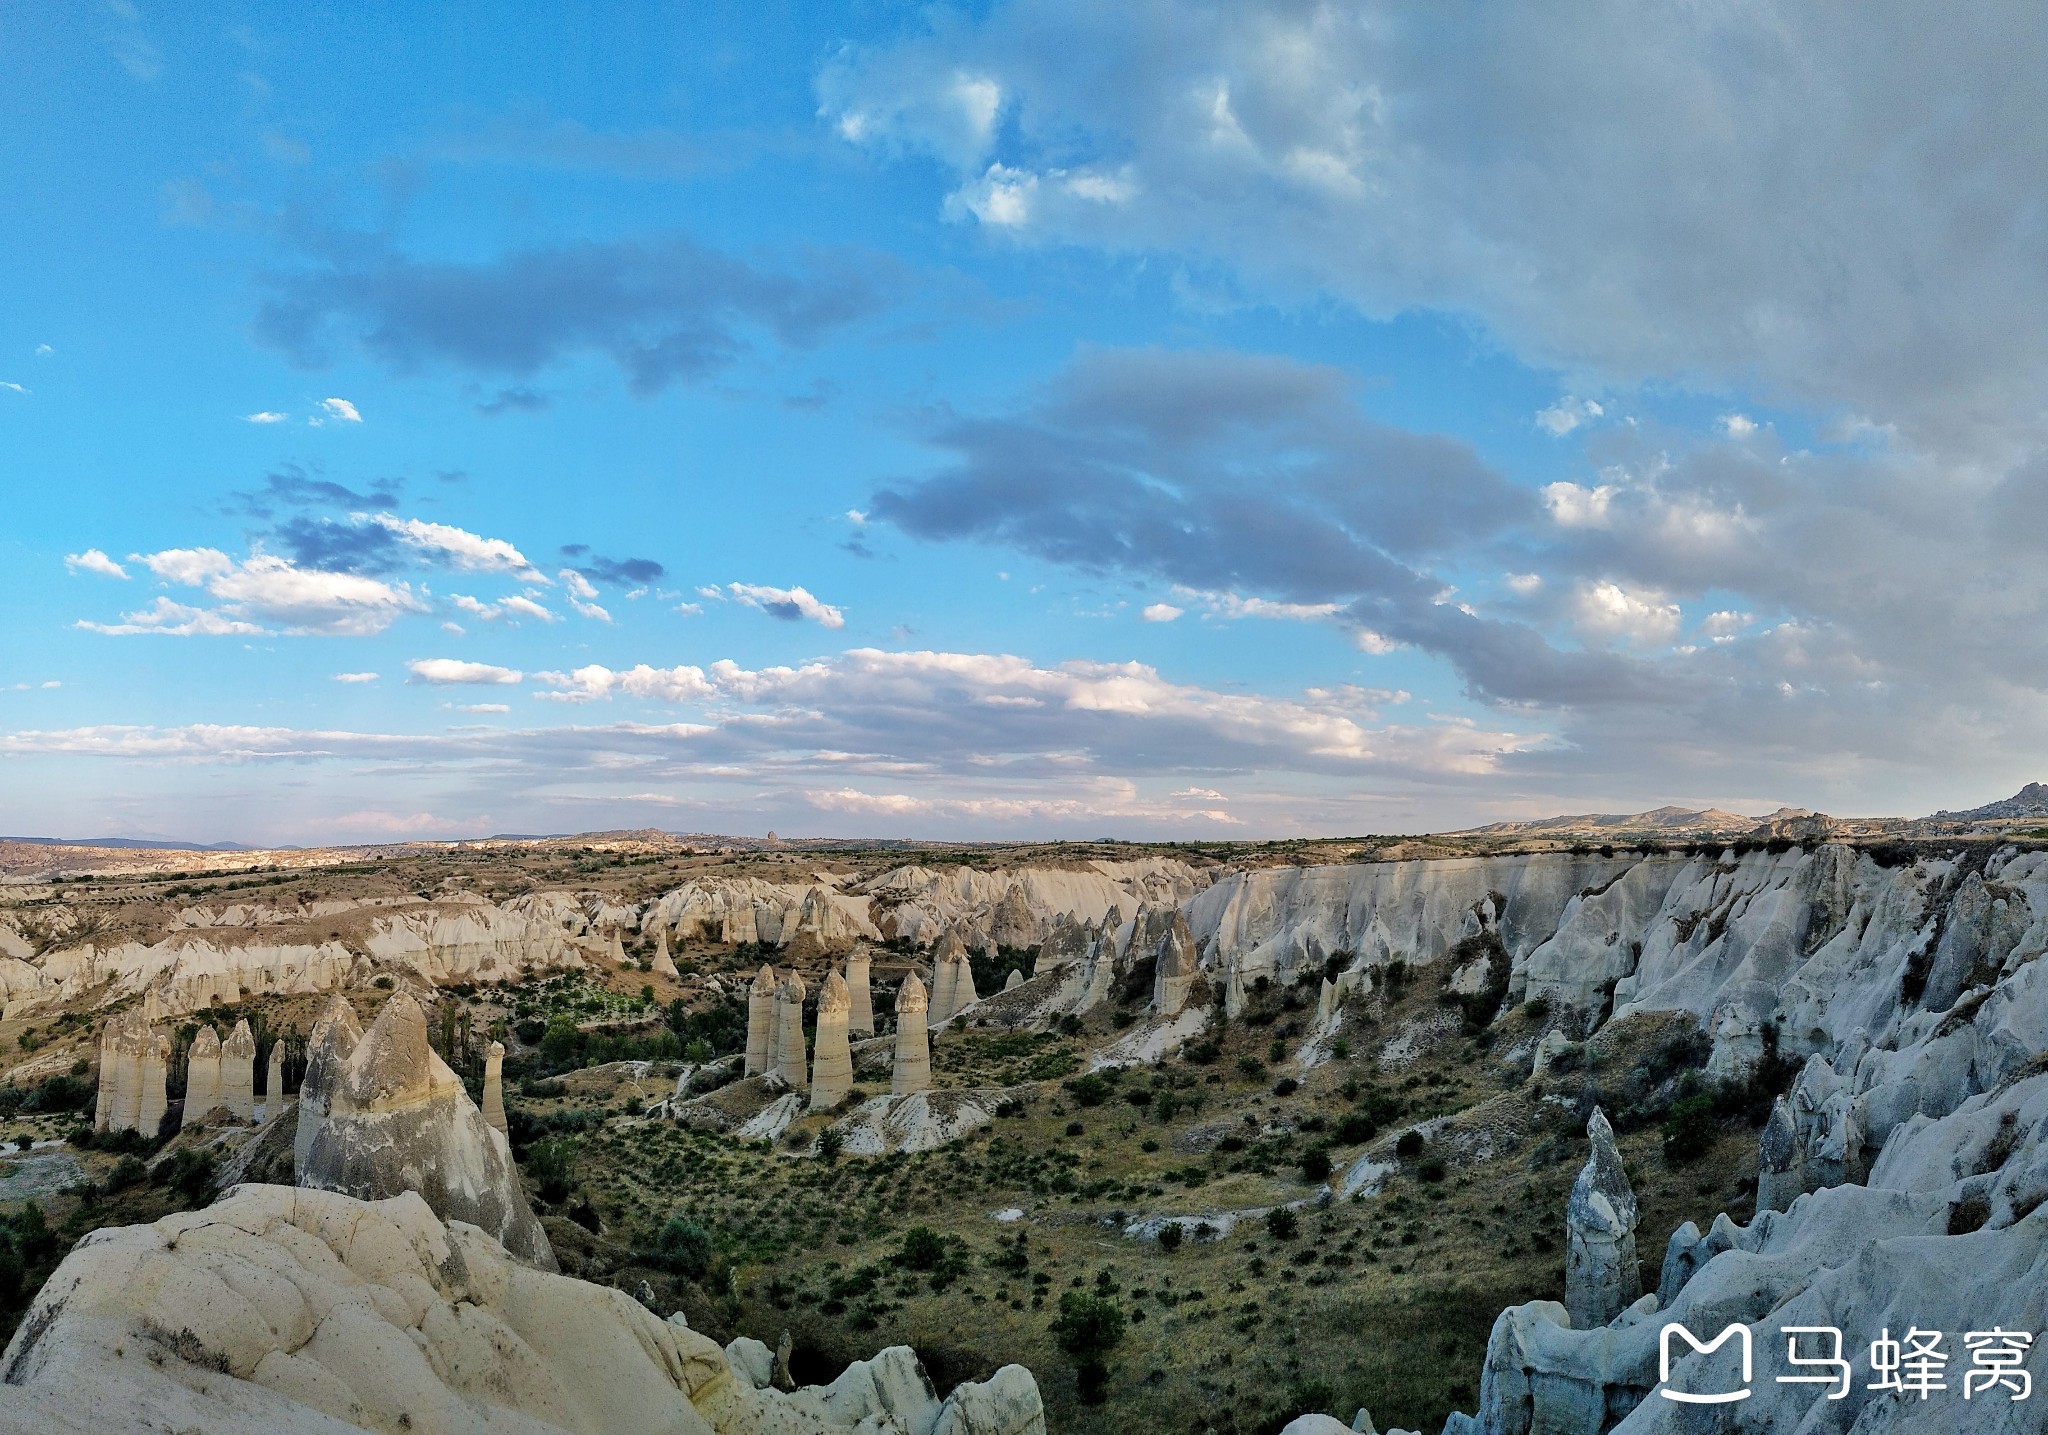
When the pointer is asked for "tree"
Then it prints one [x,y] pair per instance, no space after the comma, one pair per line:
[1088,1327]
[922,1249]
[1282,1224]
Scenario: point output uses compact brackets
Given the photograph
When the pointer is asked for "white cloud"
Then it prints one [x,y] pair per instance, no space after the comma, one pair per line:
[265,416]
[94,561]
[526,608]
[690,610]
[173,620]
[466,550]
[1567,414]
[588,684]
[1608,610]
[1002,197]
[445,671]
[583,595]
[355,677]
[1161,612]
[1233,605]
[341,410]
[1575,507]
[1737,426]
[12,386]
[43,351]
[787,603]
[483,707]
[1523,584]
[301,600]
[856,518]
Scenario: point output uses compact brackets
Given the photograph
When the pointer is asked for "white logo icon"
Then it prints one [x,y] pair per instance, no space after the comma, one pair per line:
[1740,1333]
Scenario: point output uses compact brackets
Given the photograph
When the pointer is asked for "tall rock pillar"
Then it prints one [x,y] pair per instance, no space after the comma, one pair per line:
[860,1013]
[238,1073]
[494,1086]
[154,1063]
[945,977]
[913,1040]
[664,964]
[1601,1278]
[1779,1177]
[1174,975]
[202,1076]
[273,1081]
[761,1021]
[789,1031]
[831,1055]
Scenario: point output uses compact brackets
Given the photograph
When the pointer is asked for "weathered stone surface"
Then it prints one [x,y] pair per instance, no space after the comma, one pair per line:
[238,1073]
[1778,1160]
[761,1021]
[860,1013]
[945,979]
[153,1099]
[386,1115]
[273,1082]
[1600,1271]
[664,963]
[1174,975]
[282,1311]
[789,1031]
[202,1076]
[832,1056]
[1014,980]
[913,1068]
[494,1087]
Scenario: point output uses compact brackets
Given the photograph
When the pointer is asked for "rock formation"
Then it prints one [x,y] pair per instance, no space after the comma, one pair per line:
[860,1014]
[335,1034]
[945,979]
[118,1106]
[1553,1046]
[913,1069]
[154,1071]
[1778,1163]
[1601,1278]
[202,1076]
[761,1022]
[273,1082]
[1174,975]
[238,1073]
[1014,980]
[831,1057]
[382,1113]
[664,964]
[494,1087]
[789,1031]
[280,1311]
[616,949]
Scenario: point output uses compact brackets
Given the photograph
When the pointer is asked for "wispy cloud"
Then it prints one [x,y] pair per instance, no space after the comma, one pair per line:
[457,546]
[789,604]
[264,588]
[355,677]
[265,416]
[340,410]
[455,671]
[94,561]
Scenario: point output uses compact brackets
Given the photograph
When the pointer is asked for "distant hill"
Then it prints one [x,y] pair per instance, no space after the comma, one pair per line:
[132,842]
[1672,820]
[2029,801]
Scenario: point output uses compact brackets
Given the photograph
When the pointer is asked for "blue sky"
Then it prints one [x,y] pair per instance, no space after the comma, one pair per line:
[1018,420]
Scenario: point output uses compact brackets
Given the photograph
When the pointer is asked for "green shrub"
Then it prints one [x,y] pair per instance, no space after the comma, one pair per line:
[683,1247]
[922,1249]
[1282,1224]
[1170,1237]
[1088,1090]
[1356,1128]
[1088,1327]
[1690,1129]
[552,1164]
[1315,1165]
[1409,1146]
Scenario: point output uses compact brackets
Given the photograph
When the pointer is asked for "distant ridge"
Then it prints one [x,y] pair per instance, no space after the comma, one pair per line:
[2029,801]
[1657,819]
[132,842]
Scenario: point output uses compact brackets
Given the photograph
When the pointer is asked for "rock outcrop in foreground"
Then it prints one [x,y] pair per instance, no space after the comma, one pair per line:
[380,1113]
[282,1311]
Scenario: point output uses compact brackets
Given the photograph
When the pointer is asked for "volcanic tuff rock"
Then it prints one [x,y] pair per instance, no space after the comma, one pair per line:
[913,1065]
[832,1058]
[280,1311]
[202,1076]
[1600,1275]
[381,1113]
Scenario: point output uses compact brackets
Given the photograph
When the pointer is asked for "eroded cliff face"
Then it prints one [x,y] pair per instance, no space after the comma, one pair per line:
[279,1309]
[1912,1150]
